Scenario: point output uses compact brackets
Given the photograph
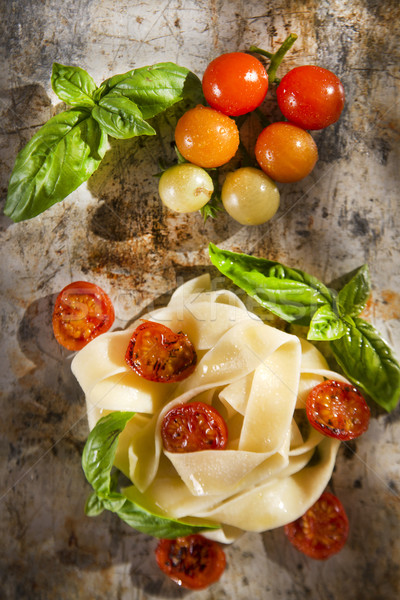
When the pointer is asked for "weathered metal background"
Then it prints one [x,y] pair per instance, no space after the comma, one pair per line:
[115,232]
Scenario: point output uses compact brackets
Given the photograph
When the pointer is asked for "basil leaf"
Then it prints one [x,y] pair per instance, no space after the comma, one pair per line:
[353,297]
[155,88]
[94,505]
[326,325]
[60,156]
[288,293]
[368,361]
[99,451]
[73,85]
[120,117]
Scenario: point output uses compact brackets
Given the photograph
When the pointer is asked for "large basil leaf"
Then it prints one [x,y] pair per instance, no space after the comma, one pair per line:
[120,117]
[368,361]
[73,85]
[154,88]
[60,156]
[288,293]
[353,297]
[326,325]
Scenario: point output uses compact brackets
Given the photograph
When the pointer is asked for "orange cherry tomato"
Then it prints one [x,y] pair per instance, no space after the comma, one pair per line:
[156,353]
[192,427]
[82,311]
[322,531]
[194,562]
[206,137]
[235,83]
[285,152]
[337,410]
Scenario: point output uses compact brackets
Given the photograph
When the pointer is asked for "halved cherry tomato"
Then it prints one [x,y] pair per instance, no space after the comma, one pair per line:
[82,311]
[206,137]
[311,97]
[194,562]
[235,83]
[322,531]
[192,427]
[156,353]
[337,410]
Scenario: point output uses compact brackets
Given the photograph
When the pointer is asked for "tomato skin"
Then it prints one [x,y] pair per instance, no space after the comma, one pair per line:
[285,152]
[337,410]
[311,97]
[82,311]
[322,531]
[192,427]
[206,137]
[235,83]
[158,354]
[193,562]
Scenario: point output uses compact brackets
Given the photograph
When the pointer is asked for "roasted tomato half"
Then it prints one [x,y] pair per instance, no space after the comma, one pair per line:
[322,531]
[82,311]
[156,353]
[338,410]
[193,562]
[192,427]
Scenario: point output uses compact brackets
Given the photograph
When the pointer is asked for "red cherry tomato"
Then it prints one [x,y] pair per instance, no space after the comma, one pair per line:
[192,427]
[337,410]
[193,562]
[235,83]
[206,137]
[311,97]
[82,311]
[285,152]
[156,353]
[322,531]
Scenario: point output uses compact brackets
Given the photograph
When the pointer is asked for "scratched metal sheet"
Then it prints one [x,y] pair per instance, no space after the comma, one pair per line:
[114,231]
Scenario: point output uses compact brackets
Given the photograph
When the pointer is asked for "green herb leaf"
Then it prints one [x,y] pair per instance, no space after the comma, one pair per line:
[73,85]
[326,325]
[288,293]
[94,505]
[368,361]
[120,117]
[353,297]
[60,156]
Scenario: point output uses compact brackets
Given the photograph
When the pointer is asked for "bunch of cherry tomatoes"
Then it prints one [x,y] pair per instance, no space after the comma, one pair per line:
[207,137]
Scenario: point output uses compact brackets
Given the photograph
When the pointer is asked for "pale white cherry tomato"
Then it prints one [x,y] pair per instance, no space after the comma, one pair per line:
[249,196]
[185,187]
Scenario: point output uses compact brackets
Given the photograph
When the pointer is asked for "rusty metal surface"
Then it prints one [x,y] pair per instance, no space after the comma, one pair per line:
[115,232]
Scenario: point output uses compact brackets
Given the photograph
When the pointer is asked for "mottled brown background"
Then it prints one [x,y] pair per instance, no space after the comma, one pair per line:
[115,232]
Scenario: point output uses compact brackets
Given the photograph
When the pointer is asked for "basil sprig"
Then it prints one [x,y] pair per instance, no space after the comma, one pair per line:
[70,146]
[300,298]
[97,463]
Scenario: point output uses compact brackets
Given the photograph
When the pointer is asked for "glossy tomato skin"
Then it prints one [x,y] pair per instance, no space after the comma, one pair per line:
[338,410]
[322,531]
[158,354]
[206,137]
[82,311]
[235,83]
[311,97]
[192,427]
[193,562]
[285,152]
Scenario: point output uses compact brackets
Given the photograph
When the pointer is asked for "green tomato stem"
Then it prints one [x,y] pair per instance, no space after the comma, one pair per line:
[277,57]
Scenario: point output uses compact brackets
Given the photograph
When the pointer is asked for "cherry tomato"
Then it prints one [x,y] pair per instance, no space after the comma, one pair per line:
[322,531]
[156,353]
[235,83]
[192,427]
[82,311]
[285,152]
[311,97]
[185,187]
[337,410]
[206,137]
[193,562]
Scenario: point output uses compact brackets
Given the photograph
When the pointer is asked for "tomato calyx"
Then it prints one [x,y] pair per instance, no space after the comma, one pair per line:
[193,562]
[192,427]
